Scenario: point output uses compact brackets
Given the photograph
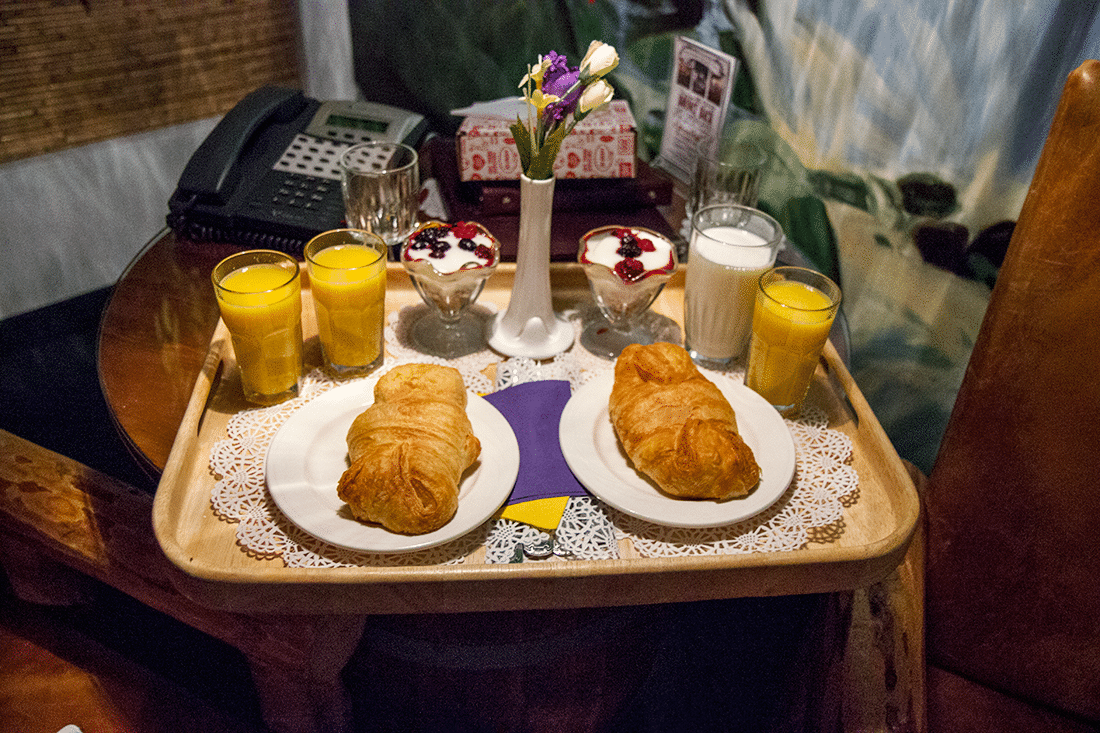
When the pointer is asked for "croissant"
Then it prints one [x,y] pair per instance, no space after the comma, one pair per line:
[409,450]
[677,427]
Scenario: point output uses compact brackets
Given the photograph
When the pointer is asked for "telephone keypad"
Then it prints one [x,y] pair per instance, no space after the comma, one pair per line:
[318,198]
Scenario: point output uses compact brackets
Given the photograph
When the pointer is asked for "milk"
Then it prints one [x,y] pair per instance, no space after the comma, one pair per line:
[724,265]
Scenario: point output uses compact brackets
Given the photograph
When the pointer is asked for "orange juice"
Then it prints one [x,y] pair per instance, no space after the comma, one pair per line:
[261,305]
[790,323]
[349,292]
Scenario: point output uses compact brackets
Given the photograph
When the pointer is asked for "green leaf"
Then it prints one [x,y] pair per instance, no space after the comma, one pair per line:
[523,143]
[542,166]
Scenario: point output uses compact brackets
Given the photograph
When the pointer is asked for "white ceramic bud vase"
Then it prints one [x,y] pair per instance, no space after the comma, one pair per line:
[528,326]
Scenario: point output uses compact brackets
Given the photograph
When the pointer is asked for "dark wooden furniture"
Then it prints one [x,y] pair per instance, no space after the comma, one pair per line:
[155,340]
[1013,498]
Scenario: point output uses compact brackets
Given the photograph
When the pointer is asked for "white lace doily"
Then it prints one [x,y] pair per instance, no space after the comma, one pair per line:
[810,510]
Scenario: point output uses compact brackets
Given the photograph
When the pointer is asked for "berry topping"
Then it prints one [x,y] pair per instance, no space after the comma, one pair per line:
[424,239]
[629,249]
[631,245]
[467,244]
[629,269]
[484,252]
[464,230]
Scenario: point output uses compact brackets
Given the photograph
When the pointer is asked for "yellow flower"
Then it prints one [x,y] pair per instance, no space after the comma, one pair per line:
[535,72]
[540,101]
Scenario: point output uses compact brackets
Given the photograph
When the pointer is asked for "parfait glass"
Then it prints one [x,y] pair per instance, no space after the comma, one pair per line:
[448,265]
[624,283]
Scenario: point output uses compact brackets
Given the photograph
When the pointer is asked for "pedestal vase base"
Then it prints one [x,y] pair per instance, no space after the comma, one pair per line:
[538,338]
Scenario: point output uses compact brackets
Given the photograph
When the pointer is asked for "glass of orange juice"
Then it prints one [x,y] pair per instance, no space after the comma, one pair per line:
[347,276]
[260,298]
[791,319]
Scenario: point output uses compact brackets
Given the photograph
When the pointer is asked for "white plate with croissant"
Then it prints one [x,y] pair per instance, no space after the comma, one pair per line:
[600,461]
[309,456]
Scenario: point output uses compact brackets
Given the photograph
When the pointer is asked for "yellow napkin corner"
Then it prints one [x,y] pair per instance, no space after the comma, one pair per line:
[545,514]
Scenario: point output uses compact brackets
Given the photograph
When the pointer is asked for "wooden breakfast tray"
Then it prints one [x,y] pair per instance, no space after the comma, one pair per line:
[218,573]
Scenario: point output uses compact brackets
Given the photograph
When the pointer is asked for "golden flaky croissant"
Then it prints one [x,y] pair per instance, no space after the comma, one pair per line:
[677,427]
[409,450]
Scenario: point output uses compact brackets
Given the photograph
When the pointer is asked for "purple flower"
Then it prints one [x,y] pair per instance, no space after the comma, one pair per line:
[550,122]
[559,64]
[558,80]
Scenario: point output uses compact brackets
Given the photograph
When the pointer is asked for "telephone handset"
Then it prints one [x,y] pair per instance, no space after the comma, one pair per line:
[268,174]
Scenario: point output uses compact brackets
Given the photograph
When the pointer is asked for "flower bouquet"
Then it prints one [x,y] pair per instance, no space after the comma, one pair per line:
[558,97]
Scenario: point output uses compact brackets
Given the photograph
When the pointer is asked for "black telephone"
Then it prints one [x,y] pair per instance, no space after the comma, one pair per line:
[268,174]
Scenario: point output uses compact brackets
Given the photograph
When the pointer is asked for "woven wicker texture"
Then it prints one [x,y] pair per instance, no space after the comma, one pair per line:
[73,73]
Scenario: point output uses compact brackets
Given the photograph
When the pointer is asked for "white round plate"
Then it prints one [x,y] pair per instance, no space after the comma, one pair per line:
[309,453]
[593,453]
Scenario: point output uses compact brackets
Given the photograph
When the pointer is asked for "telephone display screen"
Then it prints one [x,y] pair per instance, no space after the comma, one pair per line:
[357,123]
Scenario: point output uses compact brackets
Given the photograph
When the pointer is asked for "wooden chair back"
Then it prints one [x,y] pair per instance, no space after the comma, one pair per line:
[1013,576]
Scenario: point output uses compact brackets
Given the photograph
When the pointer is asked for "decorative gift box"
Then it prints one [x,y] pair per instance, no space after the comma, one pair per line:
[602,145]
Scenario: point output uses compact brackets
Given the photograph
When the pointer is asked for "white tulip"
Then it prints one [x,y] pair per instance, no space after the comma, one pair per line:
[600,59]
[595,95]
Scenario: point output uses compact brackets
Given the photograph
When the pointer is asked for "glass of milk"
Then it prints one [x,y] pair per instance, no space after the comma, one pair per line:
[731,247]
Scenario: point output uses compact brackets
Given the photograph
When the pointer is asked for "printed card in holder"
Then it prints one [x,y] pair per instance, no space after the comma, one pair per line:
[699,96]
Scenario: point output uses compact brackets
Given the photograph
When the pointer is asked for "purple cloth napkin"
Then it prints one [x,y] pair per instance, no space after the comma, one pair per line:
[533,410]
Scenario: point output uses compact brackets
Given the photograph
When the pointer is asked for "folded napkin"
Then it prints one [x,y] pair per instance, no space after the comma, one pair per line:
[545,482]
[508,109]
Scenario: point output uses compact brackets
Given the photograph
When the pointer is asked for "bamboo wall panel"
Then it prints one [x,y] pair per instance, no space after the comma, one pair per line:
[73,73]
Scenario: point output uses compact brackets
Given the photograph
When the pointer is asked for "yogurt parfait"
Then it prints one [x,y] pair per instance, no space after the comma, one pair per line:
[627,267]
[448,264]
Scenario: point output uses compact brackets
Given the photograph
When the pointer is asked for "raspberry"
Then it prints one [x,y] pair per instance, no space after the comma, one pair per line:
[629,269]
[464,230]
[484,253]
[645,244]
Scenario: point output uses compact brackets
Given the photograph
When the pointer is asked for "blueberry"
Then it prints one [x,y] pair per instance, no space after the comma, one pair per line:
[629,249]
